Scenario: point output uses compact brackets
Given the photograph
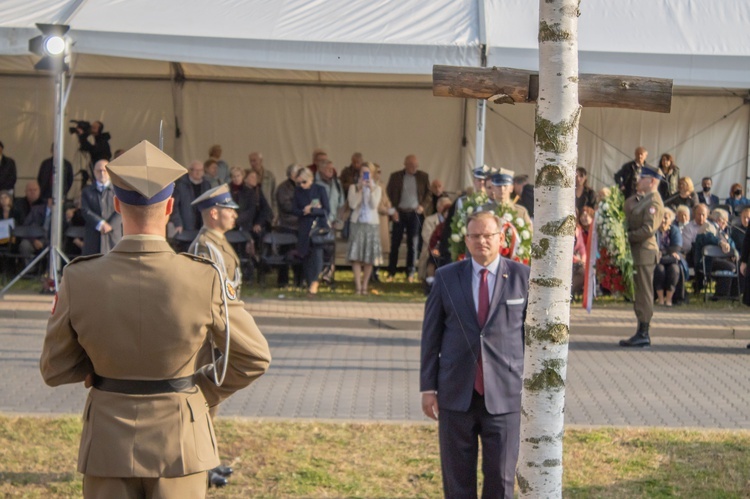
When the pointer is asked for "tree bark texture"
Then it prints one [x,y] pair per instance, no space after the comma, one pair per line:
[509,86]
[548,314]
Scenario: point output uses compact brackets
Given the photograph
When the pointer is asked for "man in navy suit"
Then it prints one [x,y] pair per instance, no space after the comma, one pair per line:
[472,362]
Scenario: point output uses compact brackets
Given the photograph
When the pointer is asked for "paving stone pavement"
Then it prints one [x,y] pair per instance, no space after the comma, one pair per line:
[372,374]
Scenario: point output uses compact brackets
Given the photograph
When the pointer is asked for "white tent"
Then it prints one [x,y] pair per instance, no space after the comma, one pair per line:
[285,77]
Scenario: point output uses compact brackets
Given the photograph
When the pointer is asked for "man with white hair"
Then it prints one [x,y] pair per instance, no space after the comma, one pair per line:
[187,189]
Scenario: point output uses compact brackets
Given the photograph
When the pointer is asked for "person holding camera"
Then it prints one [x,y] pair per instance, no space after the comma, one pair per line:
[364,241]
[97,150]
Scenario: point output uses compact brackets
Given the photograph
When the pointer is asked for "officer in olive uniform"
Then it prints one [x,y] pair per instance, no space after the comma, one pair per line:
[218,210]
[501,187]
[644,213]
[132,323]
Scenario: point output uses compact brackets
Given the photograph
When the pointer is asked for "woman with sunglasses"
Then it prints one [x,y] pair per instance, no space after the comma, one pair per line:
[311,206]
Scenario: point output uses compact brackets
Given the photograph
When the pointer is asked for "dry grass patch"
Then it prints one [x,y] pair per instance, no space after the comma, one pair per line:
[307,459]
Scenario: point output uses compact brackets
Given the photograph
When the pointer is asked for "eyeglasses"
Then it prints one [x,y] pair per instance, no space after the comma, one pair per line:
[481,237]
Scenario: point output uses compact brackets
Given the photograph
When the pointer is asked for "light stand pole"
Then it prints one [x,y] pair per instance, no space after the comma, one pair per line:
[55,50]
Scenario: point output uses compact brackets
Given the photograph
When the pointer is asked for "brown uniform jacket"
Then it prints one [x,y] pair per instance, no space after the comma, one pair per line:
[644,214]
[214,246]
[142,312]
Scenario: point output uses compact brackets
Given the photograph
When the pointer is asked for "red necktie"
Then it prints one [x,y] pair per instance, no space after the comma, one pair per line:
[483,310]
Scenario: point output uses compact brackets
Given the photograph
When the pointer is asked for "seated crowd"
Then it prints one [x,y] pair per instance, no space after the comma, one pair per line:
[315,203]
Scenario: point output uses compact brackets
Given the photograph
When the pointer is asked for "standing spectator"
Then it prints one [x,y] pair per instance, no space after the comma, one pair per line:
[580,248]
[627,177]
[311,208]
[671,174]
[705,196]
[288,221]
[32,198]
[409,191]
[671,264]
[585,195]
[7,171]
[320,158]
[327,179]
[364,242]
[350,174]
[46,174]
[472,362]
[222,168]
[736,200]
[737,230]
[385,209]
[685,195]
[266,178]
[99,150]
[744,271]
[103,223]
[211,172]
[523,193]
[186,189]
[644,213]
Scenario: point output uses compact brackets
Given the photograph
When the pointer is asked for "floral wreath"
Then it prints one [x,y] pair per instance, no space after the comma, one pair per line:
[614,267]
[517,245]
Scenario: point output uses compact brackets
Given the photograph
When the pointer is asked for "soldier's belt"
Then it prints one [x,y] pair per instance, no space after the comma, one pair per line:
[143,387]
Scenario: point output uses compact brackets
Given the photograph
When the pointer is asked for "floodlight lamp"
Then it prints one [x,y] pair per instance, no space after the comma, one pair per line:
[54,45]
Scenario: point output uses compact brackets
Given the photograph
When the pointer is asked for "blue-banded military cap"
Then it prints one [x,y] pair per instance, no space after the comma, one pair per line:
[650,171]
[499,179]
[144,175]
[481,172]
[218,196]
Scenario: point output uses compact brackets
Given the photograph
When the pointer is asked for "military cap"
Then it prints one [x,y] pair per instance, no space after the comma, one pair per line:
[481,172]
[144,175]
[650,171]
[218,196]
[499,179]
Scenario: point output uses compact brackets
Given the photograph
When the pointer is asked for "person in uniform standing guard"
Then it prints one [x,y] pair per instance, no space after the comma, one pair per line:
[146,428]
[218,210]
[644,212]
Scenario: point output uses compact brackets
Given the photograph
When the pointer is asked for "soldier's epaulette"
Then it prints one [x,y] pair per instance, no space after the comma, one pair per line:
[83,258]
[197,258]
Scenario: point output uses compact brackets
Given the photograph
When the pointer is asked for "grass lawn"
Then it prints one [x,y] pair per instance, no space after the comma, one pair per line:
[306,459]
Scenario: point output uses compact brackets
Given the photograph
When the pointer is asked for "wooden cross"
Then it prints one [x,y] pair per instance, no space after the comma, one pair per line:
[508,86]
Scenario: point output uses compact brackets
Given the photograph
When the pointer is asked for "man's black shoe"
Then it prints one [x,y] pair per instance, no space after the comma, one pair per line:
[223,470]
[216,480]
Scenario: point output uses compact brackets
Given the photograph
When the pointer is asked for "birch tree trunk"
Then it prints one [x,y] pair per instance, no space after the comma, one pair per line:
[548,314]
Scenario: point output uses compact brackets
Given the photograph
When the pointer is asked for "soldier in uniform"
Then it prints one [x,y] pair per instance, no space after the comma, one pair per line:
[218,210]
[644,213]
[131,324]
[501,187]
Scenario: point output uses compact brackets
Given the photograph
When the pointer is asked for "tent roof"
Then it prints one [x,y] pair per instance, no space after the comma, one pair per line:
[698,43]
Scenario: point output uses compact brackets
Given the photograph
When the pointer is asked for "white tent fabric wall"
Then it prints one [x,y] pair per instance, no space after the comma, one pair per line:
[286,122]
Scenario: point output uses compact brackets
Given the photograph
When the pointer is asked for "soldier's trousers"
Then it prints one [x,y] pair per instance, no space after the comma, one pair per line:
[183,487]
[643,302]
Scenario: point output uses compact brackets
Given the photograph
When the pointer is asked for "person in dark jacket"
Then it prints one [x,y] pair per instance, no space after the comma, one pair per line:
[7,171]
[103,223]
[627,177]
[186,189]
[46,173]
[100,148]
[311,207]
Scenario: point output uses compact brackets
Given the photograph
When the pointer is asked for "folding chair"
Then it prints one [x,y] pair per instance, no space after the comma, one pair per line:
[712,254]
[273,253]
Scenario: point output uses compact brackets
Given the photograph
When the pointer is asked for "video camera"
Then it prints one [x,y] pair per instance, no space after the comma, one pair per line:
[83,125]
